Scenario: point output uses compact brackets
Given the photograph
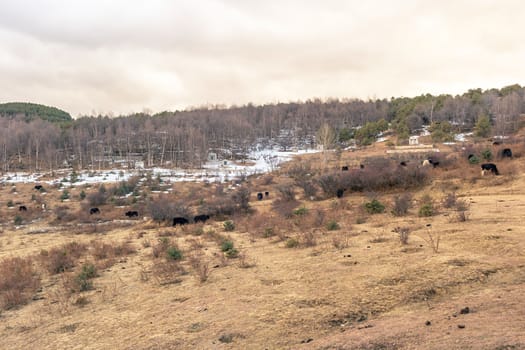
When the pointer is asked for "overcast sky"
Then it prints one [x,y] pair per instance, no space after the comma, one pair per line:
[123,56]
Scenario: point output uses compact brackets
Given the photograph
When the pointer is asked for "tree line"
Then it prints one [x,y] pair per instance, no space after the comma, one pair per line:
[185,138]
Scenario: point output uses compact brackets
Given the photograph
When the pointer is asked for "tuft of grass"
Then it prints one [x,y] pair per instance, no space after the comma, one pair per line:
[332,225]
[174,253]
[426,210]
[300,211]
[229,226]
[374,207]
[291,243]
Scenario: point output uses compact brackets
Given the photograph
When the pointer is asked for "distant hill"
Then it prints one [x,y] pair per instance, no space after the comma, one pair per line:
[31,110]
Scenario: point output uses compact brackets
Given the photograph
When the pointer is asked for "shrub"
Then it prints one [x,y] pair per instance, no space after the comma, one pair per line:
[83,279]
[374,207]
[98,198]
[226,245]
[426,210]
[228,249]
[124,187]
[287,192]
[473,160]
[18,220]
[401,204]
[18,283]
[82,195]
[486,154]
[284,208]
[58,260]
[300,211]
[403,234]
[332,225]
[330,184]
[201,267]
[174,253]
[161,247]
[164,209]
[450,200]
[229,226]
[242,199]
[10,204]
[291,243]
[308,186]
[232,253]
[64,195]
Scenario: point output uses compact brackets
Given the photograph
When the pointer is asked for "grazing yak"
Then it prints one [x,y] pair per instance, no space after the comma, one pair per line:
[344,168]
[94,211]
[403,163]
[22,208]
[180,221]
[132,213]
[201,218]
[505,153]
[38,187]
[489,167]
[259,196]
[339,193]
[429,161]
[266,194]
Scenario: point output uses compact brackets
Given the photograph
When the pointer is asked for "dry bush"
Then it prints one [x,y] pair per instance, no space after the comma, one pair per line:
[340,240]
[286,192]
[163,209]
[267,180]
[99,197]
[401,204]
[244,262]
[101,250]
[18,282]
[462,207]
[432,238]
[63,258]
[379,175]
[241,197]
[201,267]
[63,214]
[106,253]
[308,238]
[124,249]
[261,225]
[308,186]
[160,248]
[220,207]
[450,200]
[403,233]
[330,183]
[168,271]
[284,208]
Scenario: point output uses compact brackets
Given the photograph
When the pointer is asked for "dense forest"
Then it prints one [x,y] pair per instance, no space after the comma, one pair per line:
[30,111]
[34,137]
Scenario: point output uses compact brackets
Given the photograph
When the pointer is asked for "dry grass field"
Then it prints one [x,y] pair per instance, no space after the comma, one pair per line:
[330,275]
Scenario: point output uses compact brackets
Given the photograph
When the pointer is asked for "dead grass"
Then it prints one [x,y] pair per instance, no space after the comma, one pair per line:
[336,290]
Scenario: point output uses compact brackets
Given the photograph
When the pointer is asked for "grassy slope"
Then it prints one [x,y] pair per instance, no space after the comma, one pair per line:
[373,293]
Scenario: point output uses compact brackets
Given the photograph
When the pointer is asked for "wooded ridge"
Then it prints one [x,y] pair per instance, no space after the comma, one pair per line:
[35,137]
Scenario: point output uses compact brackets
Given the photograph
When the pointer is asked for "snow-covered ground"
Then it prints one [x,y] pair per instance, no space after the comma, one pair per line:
[258,162]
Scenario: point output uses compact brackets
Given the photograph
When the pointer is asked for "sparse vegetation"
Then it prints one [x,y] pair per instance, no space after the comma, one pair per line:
[374,207]
[332,225]
[401,204]
[229,226]
[18,283]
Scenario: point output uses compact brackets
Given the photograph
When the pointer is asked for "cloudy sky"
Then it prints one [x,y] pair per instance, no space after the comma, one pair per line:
[122,56]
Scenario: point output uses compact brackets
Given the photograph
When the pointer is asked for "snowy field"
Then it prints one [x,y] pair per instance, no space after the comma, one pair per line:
[258,162]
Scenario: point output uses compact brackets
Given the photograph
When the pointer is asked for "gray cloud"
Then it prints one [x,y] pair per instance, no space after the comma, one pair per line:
[123,56]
